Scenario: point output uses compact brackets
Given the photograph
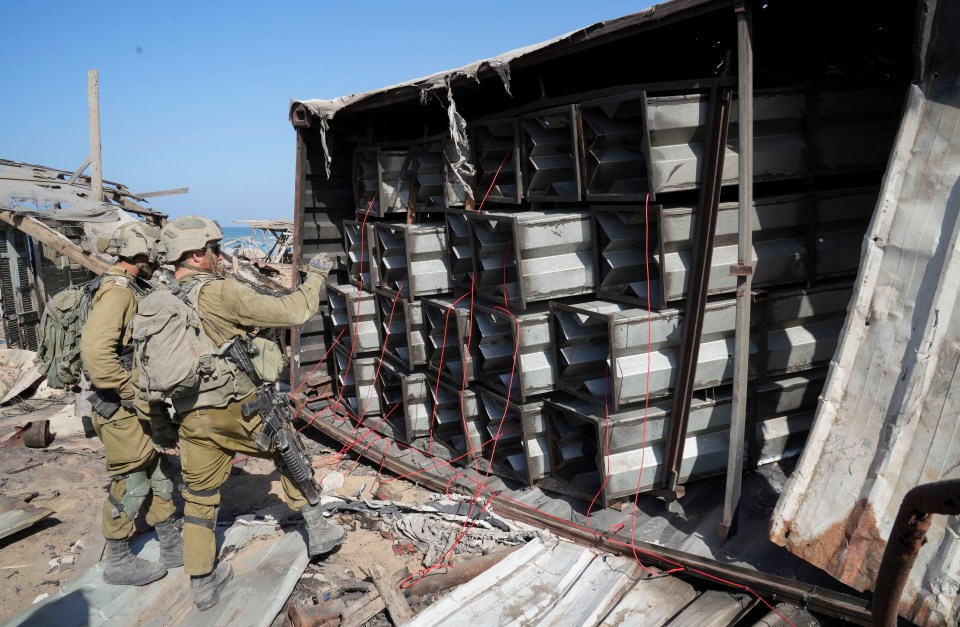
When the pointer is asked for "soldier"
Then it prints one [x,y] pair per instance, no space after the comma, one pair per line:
[213,428]
[141,478]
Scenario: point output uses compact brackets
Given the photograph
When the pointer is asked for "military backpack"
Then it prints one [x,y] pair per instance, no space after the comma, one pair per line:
[58,357]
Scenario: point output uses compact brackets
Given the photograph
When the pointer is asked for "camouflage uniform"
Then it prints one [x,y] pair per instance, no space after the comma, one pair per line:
[127,435]
[213,431]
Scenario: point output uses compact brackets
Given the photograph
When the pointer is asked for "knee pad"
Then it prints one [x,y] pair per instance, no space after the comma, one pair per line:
[204,498]
[161,478]
[136,488]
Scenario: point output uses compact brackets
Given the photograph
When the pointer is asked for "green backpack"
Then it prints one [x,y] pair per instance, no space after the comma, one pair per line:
[58,357]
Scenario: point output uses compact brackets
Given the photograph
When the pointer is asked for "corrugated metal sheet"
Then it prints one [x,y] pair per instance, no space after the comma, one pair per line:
[888,417]
[264,575]
[560,583]
[15,515]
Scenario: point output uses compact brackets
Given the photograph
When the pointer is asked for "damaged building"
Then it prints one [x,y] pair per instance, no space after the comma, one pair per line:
[49,223]
[571,275]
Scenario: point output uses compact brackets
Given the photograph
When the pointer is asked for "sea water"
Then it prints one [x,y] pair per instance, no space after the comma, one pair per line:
[247,234]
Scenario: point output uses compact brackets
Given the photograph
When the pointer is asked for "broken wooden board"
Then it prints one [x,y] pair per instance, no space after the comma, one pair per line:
[267,565]
[17,515]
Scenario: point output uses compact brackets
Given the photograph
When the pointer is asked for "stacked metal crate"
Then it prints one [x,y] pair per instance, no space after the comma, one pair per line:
[530,323]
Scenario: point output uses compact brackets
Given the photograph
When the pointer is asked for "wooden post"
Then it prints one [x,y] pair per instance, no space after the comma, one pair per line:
[93,103]
[392,597]
[743,271]
[38,282]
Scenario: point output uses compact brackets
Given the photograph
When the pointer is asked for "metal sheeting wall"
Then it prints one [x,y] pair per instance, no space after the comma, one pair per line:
[530,332]
[21,314]
[888,419]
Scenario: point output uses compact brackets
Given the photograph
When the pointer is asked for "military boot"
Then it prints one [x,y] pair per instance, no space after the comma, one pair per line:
[324,535]
[123,568]
[171,543]
[206,589]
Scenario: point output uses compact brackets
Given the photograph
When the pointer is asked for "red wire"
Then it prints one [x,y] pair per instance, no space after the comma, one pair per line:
[606,443]
[443,349]
[481,485]
[467,359]
[495,175]
[505,255]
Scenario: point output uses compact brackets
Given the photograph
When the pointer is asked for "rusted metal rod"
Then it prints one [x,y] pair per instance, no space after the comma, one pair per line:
[711,179]
[462,573]
[909,533]
[820,600]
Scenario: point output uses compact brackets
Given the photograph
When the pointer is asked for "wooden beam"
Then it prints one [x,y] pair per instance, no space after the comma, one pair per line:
[362,610]
[370,604]
[397,606]
[165,192]
[132,207]
[59,242]
[38,280]
[93,104]
[76,173]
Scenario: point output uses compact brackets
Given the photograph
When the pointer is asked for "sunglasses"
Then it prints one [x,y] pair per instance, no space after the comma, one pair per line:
[214,248]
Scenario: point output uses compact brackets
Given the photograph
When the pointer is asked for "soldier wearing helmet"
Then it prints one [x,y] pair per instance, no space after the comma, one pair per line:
[213,429]
[141,477]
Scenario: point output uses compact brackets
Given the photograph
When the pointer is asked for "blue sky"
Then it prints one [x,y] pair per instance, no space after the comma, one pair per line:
[196,94]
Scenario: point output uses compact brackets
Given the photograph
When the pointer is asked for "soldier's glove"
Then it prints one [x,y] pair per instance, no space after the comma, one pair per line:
[321,264]
[166,438]
[127,395]
[165,432]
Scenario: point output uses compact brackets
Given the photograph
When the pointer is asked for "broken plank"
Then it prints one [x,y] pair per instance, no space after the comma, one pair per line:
[76,173]
[59,242]
[368,606]
[164,192]
[396,605]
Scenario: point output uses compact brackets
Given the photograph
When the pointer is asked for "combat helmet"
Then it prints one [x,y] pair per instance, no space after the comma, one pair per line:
[186,233]
[132,239]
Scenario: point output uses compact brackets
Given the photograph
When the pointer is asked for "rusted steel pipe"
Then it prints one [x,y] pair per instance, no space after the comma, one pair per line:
[459,575]
[711,179]
[787,615]
[908,535]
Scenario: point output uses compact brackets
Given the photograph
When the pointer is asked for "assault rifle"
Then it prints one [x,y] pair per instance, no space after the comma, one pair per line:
[277,427]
